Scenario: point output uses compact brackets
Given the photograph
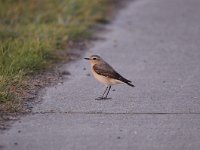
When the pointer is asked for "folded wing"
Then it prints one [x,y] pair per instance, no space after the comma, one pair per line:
[106,70]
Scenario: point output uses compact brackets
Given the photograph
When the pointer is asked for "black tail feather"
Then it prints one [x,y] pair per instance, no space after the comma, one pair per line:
[126,81]
[129,83]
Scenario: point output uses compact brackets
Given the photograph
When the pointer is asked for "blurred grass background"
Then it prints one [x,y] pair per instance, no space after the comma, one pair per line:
[32,30]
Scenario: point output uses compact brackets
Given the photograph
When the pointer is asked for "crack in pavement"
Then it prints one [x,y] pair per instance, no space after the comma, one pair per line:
[117,113]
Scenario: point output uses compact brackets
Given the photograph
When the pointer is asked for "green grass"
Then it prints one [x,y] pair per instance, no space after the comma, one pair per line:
[31,32]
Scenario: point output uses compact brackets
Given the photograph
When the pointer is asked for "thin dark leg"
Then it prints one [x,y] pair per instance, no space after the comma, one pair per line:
[107,92]
[102,97]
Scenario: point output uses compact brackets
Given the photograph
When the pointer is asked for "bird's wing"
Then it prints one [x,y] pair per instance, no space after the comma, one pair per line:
[107,71]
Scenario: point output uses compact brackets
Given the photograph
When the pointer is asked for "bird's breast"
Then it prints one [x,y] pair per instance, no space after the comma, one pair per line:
[105,80]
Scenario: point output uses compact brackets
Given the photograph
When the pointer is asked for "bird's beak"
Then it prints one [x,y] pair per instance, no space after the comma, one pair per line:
[87,58]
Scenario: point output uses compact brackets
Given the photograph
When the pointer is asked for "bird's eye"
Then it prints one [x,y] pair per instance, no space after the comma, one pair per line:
[94,58]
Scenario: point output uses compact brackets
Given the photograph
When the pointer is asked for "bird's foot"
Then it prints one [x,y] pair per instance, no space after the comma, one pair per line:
[102,98]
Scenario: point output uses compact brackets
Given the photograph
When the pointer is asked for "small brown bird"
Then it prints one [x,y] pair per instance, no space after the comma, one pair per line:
[105,74]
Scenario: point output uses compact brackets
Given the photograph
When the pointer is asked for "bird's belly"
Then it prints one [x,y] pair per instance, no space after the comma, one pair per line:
[105,80]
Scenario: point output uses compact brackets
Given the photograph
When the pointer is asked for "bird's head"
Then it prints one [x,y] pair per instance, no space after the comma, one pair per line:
[94,59]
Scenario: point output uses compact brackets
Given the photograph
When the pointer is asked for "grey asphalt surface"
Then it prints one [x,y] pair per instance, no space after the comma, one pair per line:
[154,43]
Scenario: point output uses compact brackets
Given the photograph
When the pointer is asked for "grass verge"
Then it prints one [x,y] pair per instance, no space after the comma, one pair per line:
[30,34]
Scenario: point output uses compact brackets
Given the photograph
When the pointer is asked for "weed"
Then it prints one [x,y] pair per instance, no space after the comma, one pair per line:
[31,32]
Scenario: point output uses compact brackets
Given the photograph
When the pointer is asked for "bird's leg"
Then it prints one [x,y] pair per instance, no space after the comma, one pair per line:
[102,97]
[105,91]
[109,87]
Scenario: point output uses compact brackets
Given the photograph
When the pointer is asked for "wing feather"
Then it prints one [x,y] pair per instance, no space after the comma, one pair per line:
[106,70]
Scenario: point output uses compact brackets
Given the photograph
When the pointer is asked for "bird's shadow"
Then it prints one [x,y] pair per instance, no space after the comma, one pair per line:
[102,98]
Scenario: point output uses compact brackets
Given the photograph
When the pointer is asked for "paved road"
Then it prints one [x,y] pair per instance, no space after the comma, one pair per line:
[154,43]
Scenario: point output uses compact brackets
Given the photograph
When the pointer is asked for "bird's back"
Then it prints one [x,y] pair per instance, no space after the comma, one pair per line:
[106,70]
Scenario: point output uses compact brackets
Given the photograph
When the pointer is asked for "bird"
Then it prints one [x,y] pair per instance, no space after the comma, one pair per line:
[105,74]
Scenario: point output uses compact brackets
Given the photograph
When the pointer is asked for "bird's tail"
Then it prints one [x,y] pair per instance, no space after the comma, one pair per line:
[129,83]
